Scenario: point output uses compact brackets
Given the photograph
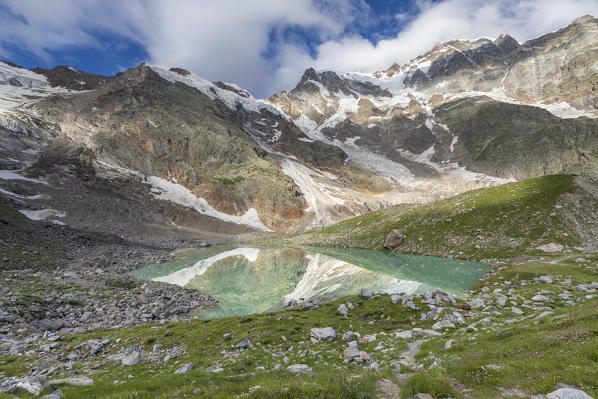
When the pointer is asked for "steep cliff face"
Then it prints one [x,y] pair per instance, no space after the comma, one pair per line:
[464,115]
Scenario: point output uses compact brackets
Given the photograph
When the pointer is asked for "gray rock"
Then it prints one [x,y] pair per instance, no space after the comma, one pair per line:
[365,293]
[57,394]
[343,310]
[245,343]
[501,299]
[299,368]
[568,393]
[476,303]
[323,334]
[33,385]
[396,298]
[541,298]
[75,381]
[423,396]
[51,324]
[517,311]
[130,359]
[394,239]
[552,247]
[349,336]
[442,325]
[85,317]
[407,334]
[351,354]
[545,279]
[185,368]
[366,339]
[228,336]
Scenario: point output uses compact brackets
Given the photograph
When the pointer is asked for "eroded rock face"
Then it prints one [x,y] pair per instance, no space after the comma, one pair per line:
[394,239]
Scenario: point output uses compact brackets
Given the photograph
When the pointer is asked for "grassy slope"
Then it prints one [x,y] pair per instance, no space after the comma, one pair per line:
[24,243]
[491,223]
[530,355]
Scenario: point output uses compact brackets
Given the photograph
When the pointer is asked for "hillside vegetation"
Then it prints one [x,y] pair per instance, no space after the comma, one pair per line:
[500,222]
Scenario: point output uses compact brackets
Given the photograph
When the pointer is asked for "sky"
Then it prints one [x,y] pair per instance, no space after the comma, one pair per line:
[262,45]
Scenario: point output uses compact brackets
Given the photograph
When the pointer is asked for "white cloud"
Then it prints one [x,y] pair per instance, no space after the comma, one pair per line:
[226,39]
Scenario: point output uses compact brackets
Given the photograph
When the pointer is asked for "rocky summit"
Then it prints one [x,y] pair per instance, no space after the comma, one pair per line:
[133,209]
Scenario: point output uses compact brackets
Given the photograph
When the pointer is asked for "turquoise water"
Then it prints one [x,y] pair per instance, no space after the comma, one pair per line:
[249,280]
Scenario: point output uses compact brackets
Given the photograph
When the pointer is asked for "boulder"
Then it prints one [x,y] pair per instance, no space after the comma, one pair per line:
[185,368]
[568,393]
[33,385]
[323,334]
[351,354]
[51,324]
[394,239]
[130,359]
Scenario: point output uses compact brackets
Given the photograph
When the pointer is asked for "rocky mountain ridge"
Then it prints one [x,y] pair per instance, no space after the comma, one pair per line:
[466,114]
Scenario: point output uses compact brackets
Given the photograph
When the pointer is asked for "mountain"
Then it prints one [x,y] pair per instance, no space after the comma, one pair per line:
[153,146]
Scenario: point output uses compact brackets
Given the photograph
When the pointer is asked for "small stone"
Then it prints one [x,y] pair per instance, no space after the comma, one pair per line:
[57,394]
[476,303]
[342,309]
[299,368]
[366,339]
[245,343]
[365,293]
[349,336]
[545,279]
[517,311]
[185,368]
[228,336]
[442,325]
[541,298]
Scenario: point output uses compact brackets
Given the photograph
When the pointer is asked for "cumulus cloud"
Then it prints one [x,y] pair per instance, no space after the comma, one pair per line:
[247,41]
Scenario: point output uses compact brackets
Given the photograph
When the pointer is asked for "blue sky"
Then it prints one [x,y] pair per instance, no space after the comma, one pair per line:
[262,45]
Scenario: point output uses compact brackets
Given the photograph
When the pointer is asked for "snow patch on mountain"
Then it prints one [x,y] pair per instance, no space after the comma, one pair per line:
[230,98]
[179,194]
[20,86]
